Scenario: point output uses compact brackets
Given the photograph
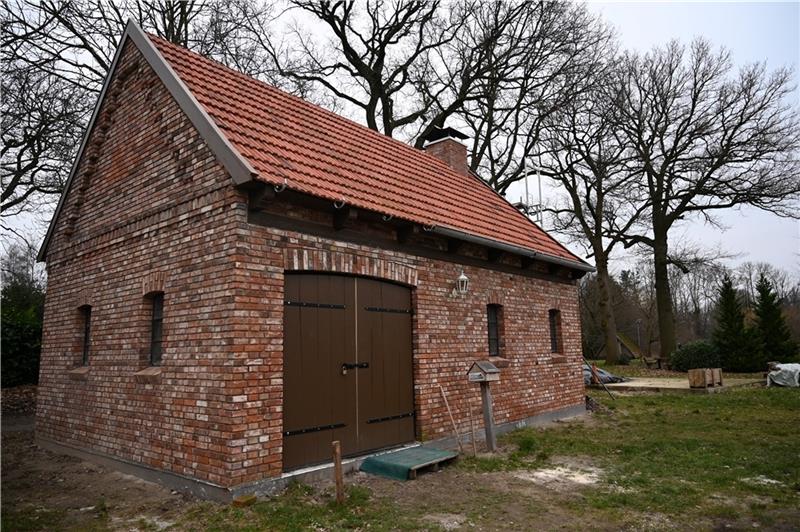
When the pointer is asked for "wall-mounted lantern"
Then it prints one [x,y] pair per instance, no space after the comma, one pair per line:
[462,284]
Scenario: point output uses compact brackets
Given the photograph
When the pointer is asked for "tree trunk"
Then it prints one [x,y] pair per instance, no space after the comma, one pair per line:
[607,320]
[666,318]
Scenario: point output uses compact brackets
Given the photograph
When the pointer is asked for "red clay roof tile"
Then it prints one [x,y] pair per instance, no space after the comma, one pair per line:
[326,155]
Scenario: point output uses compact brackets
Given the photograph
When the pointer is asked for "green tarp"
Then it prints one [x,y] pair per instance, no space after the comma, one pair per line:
[399,464]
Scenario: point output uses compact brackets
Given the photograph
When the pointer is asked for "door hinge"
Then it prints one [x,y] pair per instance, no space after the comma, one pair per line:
[390,418]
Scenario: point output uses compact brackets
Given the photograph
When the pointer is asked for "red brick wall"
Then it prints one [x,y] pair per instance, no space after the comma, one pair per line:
[450,331]
[151,207]
[155,208]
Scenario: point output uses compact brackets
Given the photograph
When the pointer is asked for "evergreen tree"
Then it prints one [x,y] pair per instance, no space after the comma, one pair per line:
[770,325]
[21,307]
[739,348]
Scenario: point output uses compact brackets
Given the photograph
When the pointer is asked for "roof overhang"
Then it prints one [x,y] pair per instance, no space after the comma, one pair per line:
[239,168]
[517,250]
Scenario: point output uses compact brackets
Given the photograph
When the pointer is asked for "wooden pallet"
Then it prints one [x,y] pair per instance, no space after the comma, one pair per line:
[406,463]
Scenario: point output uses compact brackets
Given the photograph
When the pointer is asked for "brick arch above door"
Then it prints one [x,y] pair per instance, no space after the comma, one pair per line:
[352,263]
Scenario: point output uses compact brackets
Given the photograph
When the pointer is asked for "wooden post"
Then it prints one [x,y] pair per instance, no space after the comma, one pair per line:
[488,417]
[472,430]
[337,471]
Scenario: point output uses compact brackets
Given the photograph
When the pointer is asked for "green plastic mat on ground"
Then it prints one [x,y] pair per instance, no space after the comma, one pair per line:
[399,464]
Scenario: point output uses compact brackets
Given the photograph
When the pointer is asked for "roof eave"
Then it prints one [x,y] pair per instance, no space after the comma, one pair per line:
[511,248]
[239,168]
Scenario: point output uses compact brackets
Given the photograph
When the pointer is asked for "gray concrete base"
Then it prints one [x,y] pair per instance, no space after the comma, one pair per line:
[538,420]
[271,486]
[198,488]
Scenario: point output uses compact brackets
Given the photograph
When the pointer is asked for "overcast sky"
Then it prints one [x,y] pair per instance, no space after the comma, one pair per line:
[753,31]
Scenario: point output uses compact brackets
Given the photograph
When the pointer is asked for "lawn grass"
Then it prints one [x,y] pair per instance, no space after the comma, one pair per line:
[717,458]
[39,518]
[678,454]
[302,507]
[699,462]
[721,456]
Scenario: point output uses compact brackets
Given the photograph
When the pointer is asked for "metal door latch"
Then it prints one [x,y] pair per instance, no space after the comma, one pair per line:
[353,365]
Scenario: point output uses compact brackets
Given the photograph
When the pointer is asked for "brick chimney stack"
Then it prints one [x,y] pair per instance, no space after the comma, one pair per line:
[445,144]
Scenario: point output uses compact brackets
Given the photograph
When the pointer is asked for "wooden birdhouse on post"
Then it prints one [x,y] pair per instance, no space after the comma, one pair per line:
[485,372]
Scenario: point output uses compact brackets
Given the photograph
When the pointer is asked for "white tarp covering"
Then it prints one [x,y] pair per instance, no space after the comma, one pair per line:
[785,375]
[604,376]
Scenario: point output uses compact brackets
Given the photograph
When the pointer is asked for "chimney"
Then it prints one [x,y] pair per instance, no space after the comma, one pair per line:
[445,144]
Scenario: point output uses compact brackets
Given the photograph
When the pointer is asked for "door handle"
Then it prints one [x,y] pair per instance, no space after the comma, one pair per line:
[353,365]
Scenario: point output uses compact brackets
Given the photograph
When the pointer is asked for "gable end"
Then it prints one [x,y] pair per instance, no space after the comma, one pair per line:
[237,166]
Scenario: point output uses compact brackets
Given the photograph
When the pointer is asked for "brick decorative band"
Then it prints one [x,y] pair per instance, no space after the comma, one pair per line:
[333,261]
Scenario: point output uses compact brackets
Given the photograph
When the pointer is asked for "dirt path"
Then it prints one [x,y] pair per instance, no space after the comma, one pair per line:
[42,489]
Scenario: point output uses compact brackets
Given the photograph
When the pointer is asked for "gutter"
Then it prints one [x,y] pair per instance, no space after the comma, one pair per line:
[510,248]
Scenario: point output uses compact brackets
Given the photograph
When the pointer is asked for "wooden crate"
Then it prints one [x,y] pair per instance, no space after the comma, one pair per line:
[705,377]
[697,378]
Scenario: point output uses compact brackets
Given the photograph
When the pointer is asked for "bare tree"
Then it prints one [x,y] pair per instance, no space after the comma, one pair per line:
[695,275]
[549,55]
[705,140]
[55,56]
[42,115]
[372,51]
[748,273]
[467,71]
[635,309]
[583,154]
[409,66]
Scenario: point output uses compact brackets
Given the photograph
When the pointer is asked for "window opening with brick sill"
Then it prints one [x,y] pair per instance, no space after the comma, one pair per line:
[78,374]
[500,362]
[149,375]
[556,340]
[86,337]
[156,327]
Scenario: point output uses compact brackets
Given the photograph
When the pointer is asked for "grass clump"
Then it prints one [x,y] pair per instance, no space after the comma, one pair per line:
[32,519]
[301,507]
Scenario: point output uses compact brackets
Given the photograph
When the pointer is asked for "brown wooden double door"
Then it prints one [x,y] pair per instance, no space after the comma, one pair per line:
[347,359]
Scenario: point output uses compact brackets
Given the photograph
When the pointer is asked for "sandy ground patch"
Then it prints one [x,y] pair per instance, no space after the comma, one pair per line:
[560,477]
[447,521]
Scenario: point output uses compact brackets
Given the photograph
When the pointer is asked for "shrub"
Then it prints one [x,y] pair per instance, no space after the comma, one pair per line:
[699,354]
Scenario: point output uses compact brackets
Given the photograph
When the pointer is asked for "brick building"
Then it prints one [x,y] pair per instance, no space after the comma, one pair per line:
[237,277]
